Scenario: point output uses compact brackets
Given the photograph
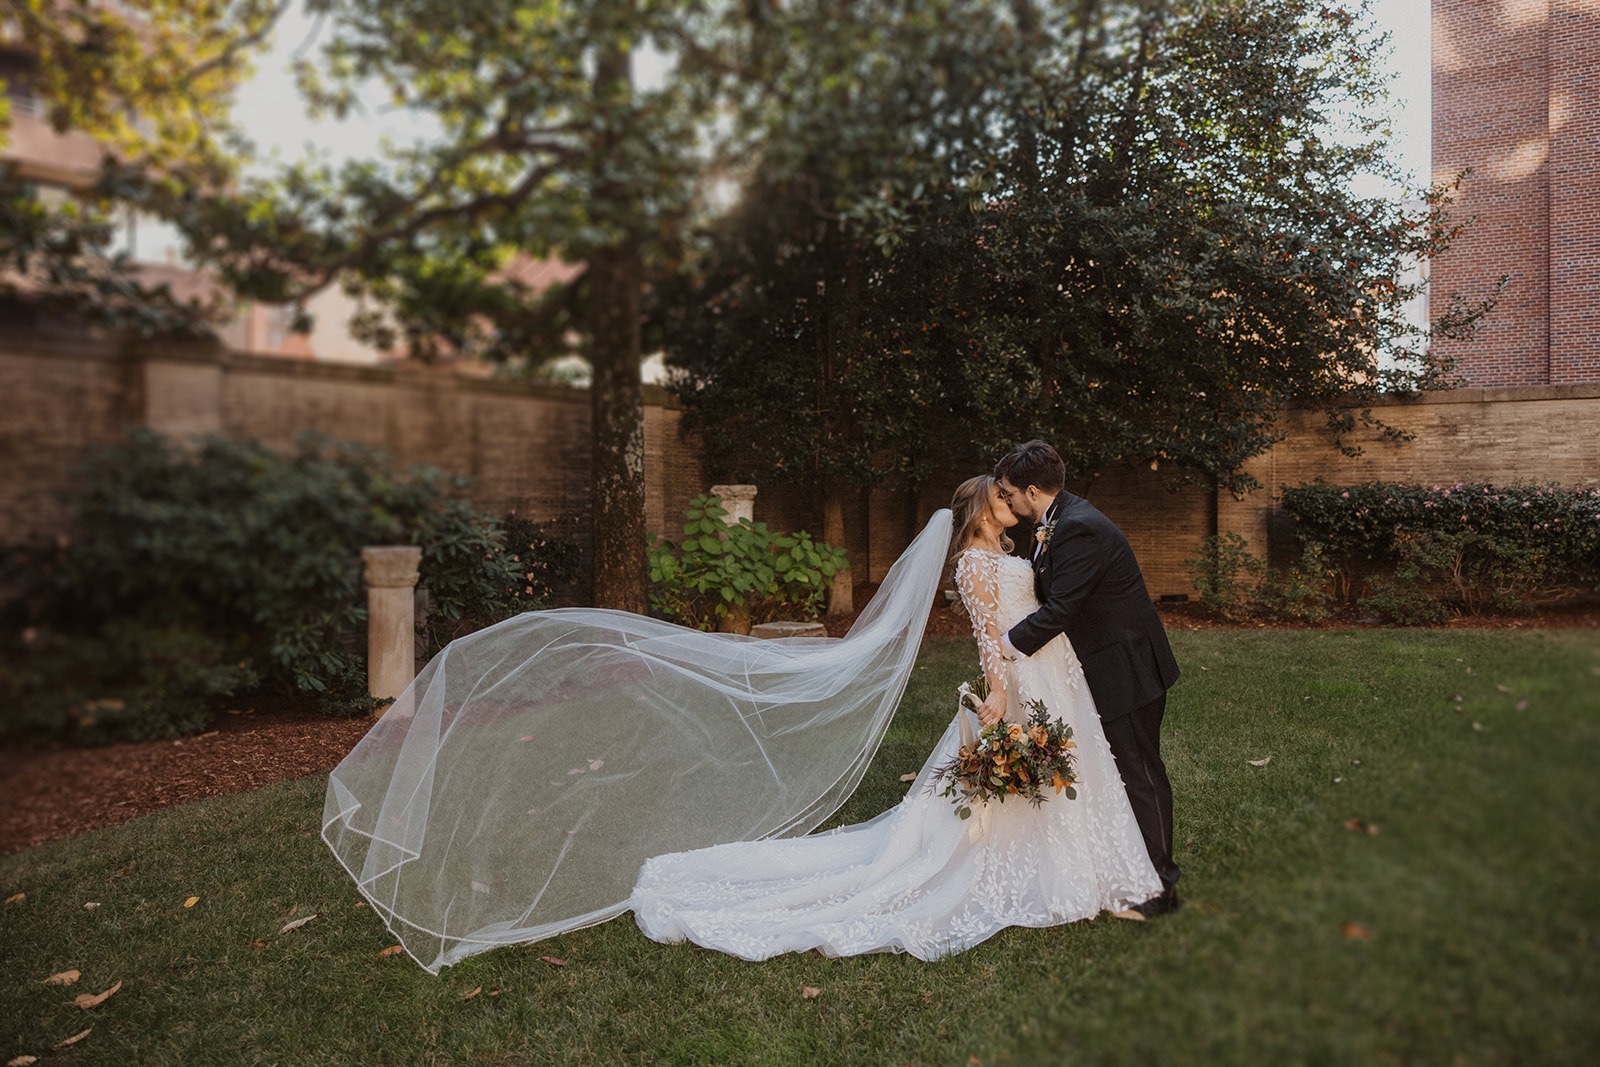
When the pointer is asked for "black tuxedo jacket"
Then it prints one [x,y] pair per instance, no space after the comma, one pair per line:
[1091,589]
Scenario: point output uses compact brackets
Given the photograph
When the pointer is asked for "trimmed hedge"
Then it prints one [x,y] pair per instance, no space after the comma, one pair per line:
[1417,553]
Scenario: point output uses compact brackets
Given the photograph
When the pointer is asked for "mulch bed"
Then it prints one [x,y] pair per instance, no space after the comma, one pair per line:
[59,791]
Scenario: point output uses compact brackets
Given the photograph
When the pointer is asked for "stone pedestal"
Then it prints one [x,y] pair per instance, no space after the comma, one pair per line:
[788,629]
[391,576]
[738,500]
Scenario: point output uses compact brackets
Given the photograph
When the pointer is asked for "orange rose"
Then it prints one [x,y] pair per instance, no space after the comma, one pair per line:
[1014,732]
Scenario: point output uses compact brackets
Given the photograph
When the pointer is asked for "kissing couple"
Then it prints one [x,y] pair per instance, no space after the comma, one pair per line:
[562,767]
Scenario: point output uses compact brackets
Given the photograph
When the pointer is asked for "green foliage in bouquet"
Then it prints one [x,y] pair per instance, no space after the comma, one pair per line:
[1009,759]
[197,575]
[742,570]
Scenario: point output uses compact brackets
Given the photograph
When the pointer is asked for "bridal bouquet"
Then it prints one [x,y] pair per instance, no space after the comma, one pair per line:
[1008,759]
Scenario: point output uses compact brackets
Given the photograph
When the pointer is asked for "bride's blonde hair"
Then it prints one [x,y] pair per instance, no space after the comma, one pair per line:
[967,507]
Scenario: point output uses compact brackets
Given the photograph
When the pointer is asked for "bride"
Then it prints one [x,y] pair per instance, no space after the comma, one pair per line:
[917,879]
[562,767]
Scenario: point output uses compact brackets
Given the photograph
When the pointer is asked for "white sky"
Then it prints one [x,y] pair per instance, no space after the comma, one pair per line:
[271,110]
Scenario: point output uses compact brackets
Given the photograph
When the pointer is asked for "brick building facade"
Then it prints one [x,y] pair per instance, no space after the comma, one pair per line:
[1516,99]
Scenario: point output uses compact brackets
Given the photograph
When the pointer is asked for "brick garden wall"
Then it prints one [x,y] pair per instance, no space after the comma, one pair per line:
[527,448]
[1507,435]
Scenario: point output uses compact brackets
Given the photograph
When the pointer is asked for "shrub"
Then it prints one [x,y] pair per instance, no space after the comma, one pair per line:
[1418,553]
[540,560]
[737,574]
[1303,592]
[1235,584]
[126,681]
[1226,575]
[195,575]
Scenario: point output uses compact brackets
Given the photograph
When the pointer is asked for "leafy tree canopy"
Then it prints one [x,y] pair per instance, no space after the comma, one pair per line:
[1134,229]
[546,147]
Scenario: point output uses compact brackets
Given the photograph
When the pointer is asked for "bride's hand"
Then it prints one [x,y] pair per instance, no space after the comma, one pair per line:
[993,709]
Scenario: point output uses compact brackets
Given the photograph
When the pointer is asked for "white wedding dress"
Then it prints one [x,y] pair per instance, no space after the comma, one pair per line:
[917,878]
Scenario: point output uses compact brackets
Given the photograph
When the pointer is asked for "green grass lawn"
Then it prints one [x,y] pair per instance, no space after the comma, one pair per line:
[1462,931]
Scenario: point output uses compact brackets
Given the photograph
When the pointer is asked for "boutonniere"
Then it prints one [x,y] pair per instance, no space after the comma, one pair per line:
[1044,532]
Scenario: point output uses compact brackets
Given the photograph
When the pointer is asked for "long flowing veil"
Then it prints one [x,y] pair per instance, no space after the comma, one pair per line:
[515,788]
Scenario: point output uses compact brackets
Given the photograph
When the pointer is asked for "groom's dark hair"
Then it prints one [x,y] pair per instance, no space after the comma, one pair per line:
[1033,463]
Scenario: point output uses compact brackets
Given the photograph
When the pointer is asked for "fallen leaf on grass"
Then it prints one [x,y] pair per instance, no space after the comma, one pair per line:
[16,898]
[809,992]
[259,943]
[908,777]
[553,961]
[1129,915]
[94,1000]
[1360,826]
[393,950]
[90,905]
[1503,688]
[1477,726]
[1262,762]
[298,923]
[596,764]
[468,996]
[1356,932]
[61,978]
[21,1061]
[191,902]
[74,1039]
[1521,705]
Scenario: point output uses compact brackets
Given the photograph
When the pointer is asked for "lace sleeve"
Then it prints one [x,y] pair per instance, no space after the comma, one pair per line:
[978,580]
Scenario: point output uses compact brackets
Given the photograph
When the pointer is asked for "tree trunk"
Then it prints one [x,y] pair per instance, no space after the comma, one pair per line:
[841,598]
[616,395]
[617,424]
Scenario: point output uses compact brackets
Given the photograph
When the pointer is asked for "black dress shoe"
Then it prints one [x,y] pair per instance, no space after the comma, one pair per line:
[1164,903]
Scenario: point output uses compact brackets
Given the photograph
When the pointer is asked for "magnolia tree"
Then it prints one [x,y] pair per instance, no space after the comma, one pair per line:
[1134,229]
[798,326]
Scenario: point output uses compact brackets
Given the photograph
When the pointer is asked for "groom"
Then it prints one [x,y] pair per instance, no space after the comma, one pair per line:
[1090,588]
